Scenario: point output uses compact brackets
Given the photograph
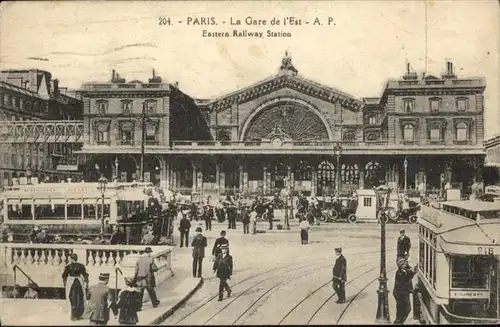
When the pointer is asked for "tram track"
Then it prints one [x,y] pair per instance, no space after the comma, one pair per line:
[273,270]
[287,282]
[241,294]
[328,282]
[356,295]
[241,282]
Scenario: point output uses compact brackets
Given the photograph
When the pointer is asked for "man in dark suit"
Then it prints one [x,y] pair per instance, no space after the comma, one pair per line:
[184,227]
[222,240]
[145,269]
[402,289]
[199,244]
[404,245]
[223,267]
[339,275]
[100,299]
[209,215]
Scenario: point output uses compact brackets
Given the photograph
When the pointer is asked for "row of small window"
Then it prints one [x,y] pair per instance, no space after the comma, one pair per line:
[127,133]
[25,104]
[462,104]
[427,254]
[55,211]
[150,107]
[436,133]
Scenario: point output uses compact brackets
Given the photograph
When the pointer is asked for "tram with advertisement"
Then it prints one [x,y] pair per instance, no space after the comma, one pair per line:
[72,208]
[458,268]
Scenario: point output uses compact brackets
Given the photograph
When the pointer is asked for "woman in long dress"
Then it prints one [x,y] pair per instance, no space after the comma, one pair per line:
[75,280]
[127,304]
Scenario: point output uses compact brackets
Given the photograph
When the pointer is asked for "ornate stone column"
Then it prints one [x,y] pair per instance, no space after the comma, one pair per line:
[241,177]
[217,175]
[265,186]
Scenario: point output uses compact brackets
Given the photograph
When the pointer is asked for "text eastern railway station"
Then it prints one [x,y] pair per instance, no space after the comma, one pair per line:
[420,134]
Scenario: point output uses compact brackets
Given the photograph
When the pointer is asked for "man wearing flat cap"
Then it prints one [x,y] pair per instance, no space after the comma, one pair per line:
[199,244]
[339,275]
[145,269]
[404,245]
[100,299]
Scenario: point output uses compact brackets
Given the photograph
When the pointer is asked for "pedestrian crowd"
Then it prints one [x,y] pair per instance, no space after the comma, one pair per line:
[97,302]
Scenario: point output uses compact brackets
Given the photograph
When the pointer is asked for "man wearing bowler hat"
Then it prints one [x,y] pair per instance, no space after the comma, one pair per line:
[339,275]
[100,299]
[145,269]
[199,244]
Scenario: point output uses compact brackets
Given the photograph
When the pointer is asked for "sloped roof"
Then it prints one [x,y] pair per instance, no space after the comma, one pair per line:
[279,81]
[18,89]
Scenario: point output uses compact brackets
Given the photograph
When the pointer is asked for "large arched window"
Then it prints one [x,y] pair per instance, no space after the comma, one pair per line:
[349,174]
[296,120]
[408,133]
[373,174]
[462,132]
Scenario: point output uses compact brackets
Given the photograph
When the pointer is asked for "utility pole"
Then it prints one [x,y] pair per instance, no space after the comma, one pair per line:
[143,132]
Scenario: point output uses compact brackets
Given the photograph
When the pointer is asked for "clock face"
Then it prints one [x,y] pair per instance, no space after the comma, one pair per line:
[277,141]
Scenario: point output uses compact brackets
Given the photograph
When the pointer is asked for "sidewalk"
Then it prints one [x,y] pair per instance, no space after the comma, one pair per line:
[172,293]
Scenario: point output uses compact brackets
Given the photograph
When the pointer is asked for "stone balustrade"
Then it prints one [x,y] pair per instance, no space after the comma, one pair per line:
[44,263]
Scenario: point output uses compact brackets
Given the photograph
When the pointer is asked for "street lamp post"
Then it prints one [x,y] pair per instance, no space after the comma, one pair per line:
[406,173]
[143,132]
[103,181]
[383,301]
[337,150]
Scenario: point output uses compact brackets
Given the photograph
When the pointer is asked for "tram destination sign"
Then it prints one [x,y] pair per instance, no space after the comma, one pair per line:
[462,294]
[51,190]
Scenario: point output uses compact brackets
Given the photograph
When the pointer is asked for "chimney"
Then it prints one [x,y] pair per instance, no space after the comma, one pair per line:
[56,86]
[113,76]
[408,68]
[449,67]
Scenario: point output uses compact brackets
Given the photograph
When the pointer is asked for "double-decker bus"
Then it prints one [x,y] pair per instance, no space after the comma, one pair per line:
[459,252]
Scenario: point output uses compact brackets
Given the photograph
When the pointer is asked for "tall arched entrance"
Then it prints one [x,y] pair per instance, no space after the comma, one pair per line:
[152,170]
[127,169]
[326,178]
[279,171]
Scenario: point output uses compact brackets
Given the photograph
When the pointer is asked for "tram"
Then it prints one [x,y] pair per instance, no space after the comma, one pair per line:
[71,208]
[458,269]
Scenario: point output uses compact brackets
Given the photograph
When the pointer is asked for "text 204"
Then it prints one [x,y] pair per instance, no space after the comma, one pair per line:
[163,21]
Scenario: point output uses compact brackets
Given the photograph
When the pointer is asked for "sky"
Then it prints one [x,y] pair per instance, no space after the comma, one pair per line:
[366,43]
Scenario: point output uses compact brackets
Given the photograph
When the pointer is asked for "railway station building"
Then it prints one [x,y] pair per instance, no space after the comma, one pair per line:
[420,133]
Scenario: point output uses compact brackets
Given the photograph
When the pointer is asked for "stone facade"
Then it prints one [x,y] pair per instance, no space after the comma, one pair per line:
[28,95]
[420,134]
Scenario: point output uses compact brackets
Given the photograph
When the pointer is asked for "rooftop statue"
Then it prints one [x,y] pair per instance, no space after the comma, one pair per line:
[287,66]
